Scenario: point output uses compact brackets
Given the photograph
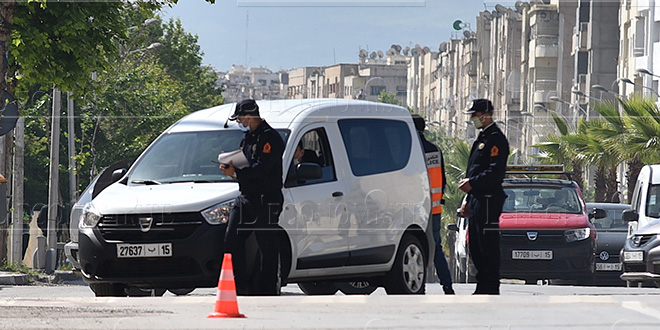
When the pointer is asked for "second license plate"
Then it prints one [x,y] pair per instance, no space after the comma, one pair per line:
[144,250]
[531,254]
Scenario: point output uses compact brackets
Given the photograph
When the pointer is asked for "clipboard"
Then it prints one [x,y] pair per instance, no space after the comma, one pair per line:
[237,157]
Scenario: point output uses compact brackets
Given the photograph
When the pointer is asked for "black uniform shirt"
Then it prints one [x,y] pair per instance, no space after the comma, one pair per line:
[487,164]
[263,148]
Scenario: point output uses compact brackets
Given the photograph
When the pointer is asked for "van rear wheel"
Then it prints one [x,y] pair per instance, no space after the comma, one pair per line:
[408,274]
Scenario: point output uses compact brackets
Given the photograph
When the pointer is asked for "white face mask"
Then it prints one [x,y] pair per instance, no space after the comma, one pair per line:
[243,128]
[477,122]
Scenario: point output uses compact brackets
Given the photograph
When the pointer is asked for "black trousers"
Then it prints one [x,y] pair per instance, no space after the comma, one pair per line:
[258,214]
[484,235]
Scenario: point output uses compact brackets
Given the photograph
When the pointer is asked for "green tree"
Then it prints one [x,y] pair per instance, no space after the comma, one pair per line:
[390,98]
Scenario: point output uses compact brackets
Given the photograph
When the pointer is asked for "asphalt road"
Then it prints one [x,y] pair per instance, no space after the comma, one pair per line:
[518,307]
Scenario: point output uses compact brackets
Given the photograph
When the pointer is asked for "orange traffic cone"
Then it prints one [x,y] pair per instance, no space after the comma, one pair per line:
[226,304]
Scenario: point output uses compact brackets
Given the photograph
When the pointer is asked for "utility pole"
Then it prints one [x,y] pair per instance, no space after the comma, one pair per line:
[73,186]
[16,255]
[53,179]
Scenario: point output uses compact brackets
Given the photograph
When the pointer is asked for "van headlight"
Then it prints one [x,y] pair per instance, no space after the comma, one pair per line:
[218,214]
[90,216]
[574,235]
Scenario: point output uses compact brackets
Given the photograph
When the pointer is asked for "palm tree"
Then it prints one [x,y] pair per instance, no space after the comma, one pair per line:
[555,150]
[641,142]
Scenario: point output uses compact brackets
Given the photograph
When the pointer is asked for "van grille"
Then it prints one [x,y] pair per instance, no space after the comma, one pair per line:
[148,268]
[164,226]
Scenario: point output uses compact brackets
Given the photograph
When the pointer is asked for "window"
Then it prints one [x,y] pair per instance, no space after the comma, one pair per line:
[653,202]
[376,145]
[316,150]
[542,200]
[375,90]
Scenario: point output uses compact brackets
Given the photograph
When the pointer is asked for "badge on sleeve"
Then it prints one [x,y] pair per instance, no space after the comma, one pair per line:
[267,148]
[494,151]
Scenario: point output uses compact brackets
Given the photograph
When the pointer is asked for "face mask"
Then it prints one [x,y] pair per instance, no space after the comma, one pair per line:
[243,128]
[477,122]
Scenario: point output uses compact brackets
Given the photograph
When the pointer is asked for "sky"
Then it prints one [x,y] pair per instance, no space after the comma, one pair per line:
[287,34]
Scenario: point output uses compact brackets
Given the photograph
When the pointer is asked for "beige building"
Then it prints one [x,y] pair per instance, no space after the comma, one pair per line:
[305,82]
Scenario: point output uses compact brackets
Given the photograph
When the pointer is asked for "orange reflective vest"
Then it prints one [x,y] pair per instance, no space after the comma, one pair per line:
[434,165]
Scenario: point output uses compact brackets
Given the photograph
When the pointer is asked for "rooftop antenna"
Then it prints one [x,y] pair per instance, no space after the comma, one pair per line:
[247,23]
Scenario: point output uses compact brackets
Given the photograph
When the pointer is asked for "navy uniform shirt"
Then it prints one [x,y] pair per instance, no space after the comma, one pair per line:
[263,148]
[487,164]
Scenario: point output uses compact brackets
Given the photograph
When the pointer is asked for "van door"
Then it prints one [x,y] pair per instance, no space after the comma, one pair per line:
[314,215]
[384,193]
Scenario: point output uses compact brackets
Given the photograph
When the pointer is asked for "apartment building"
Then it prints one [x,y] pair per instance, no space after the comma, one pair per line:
[638,60]
[256,83]
[305,82]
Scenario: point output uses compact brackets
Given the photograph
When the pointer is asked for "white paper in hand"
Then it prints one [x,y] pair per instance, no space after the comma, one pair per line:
[237,157]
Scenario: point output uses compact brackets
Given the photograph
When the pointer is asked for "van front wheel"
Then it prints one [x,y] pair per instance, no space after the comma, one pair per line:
[408,274]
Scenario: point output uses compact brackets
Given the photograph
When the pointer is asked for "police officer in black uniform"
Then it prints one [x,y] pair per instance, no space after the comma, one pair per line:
[258,207]
[483,184]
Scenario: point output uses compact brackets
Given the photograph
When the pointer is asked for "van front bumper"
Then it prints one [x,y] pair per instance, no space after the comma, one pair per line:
[195,260]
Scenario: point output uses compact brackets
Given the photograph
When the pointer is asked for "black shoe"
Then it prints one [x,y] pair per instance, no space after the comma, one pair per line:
[448,289]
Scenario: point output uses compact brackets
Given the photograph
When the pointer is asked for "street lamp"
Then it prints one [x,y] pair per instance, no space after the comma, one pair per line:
[582,94]
[543,108]
[603,89]
[644,71]
[628,81]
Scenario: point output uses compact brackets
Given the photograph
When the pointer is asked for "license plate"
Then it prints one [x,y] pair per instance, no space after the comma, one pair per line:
[608,266]
[144,250]
[532,254]
[633,256]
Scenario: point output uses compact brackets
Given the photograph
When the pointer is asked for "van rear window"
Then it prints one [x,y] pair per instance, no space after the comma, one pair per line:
[376,145]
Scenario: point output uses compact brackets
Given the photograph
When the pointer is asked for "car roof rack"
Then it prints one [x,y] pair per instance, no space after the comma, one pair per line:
[538,169]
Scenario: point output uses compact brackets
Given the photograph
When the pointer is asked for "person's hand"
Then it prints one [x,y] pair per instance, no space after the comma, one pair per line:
[464,209]
[228,169]
[465,185]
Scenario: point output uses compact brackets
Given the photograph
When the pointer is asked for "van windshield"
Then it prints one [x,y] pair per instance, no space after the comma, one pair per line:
[653,202]
[187,157]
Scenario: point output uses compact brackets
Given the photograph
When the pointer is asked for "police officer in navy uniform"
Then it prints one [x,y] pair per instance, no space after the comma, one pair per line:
[258,207]
[485,199]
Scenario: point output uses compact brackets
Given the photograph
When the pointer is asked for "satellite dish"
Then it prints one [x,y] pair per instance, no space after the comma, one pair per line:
[390,52]
[458,24]
[467,34]
[500,9]
[443,47]
[406,51]
[363,53]
[373,55]
[416,51]
[427,50]
[380,54]
[397,48]
[9,114]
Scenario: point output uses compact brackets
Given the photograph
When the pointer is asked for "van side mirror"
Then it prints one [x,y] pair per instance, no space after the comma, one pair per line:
[597,213]
[118,174]
[452,227]
[629,215]
[308,171]
[458,213]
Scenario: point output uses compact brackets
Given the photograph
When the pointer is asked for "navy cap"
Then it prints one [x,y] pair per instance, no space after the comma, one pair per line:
[245,107]
[479,105]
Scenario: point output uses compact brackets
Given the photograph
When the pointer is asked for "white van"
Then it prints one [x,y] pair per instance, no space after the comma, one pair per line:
[645,202]
[355,220]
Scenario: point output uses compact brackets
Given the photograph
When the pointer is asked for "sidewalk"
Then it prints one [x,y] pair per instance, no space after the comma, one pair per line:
[58,277]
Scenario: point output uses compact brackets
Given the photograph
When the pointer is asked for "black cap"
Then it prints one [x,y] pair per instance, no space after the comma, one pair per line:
[419,122]
[245,107]
[479,105]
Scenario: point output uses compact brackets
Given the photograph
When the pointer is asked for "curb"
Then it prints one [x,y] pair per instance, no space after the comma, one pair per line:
[7,278]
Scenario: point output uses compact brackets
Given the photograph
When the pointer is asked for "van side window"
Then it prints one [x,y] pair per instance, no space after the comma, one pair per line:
[653,202]
[316,149]
[376,145]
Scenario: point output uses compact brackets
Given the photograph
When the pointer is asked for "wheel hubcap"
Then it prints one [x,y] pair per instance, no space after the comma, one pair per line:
[413,268]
